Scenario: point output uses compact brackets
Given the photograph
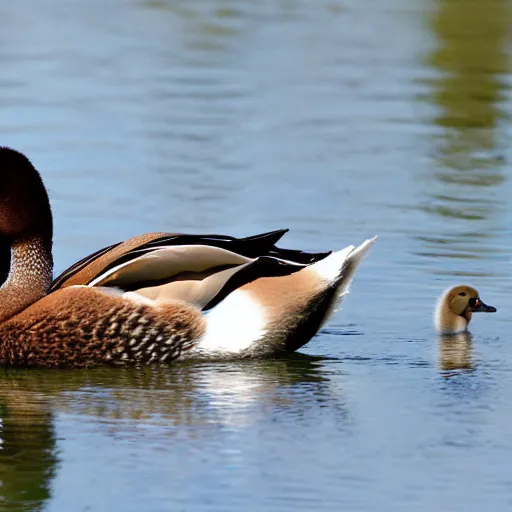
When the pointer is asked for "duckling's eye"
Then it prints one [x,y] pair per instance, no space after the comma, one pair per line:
[472,302]
[462,294]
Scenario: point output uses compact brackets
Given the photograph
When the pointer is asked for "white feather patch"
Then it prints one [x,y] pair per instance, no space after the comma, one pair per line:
[164,262]
[233,325]
[138,299]
[329,268]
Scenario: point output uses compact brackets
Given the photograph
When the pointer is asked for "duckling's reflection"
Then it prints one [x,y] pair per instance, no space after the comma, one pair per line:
[455,353]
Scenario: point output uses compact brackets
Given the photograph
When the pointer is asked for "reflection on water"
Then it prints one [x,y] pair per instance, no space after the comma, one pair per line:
[27,452]
[322,116]
[455,353]
[200,395]
[187,400]
[470,59]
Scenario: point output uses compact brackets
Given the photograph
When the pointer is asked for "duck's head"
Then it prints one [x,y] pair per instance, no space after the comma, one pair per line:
[25,234]
[24,204]
[455,309]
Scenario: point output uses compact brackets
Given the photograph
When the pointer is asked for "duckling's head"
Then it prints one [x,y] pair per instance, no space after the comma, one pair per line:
[456,307]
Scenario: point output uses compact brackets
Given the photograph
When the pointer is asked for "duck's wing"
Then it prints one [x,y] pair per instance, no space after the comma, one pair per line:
[81,272]
[197,268]
[200,275]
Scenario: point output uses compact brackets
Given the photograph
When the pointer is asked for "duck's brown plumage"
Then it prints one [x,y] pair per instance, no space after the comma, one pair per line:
[82,327]
[158,286]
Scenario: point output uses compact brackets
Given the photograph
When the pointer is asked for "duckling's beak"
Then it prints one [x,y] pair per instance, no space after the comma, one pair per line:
[481,307]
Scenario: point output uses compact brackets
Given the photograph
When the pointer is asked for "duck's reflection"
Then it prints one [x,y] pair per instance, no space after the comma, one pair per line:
[191,395]
[228,395]
[455,353]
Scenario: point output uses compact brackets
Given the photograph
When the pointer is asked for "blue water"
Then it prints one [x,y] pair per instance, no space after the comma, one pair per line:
[338,120]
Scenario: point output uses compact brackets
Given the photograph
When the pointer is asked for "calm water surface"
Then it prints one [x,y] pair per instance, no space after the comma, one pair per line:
[339,120]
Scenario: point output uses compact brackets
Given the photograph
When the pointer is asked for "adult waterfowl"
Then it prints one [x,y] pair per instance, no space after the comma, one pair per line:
[455,309]
[155,298]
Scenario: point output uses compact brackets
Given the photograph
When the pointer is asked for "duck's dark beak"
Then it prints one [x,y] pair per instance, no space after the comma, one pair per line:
[482,307]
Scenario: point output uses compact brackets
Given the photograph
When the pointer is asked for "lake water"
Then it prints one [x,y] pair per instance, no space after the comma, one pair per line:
[339,119]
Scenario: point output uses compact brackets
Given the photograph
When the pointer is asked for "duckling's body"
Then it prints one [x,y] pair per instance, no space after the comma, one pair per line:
[156,298]
[455,309]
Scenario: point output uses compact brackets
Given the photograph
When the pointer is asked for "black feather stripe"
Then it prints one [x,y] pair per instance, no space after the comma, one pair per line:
[79,265]
[256,246]
[262,267]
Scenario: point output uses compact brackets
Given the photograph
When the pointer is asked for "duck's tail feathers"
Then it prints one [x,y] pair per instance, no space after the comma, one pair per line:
[341,265]
[338,270]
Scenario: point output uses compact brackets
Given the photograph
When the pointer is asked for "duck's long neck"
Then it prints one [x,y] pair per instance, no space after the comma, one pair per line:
[30,275]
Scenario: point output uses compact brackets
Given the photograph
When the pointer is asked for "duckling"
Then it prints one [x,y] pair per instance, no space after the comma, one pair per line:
[455,308]
[155,298]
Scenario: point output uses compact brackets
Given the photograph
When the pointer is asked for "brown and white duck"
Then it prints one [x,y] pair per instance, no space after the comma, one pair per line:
[455,309]
[154,298]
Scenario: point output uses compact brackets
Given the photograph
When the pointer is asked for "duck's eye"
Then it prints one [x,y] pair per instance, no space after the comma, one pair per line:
[472,302]
[462,294]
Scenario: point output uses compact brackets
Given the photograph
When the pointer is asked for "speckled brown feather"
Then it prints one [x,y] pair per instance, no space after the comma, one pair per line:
[82,327]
